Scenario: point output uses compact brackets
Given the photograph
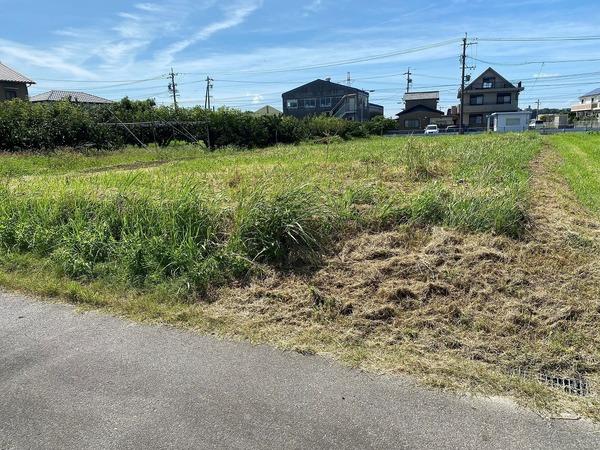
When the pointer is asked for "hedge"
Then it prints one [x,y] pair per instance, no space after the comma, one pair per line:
[26,126]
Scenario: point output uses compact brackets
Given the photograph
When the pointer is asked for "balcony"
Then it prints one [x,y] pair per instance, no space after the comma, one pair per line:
[582,107]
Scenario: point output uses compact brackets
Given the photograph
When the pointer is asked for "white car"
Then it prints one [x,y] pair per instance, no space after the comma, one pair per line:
[432,129]
[536,124]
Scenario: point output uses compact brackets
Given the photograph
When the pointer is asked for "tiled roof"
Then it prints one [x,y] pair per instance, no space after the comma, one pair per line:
[79,97]
[594,92]
[8,74]
[431,95]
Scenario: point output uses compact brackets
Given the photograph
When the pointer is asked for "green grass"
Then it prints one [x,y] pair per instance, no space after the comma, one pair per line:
[206,221]
[65,161]
[581,166]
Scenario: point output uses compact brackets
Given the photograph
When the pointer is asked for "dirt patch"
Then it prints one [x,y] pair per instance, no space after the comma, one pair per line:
[532,303]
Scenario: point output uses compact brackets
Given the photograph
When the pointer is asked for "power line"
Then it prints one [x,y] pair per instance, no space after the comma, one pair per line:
[527,63]
[350,61]
[540,39]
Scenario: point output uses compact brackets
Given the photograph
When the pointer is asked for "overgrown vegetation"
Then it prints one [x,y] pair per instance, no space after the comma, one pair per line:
[434,257]
[30,126]
[206,221]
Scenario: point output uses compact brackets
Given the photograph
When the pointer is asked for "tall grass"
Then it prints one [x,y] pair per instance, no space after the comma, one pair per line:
[204,222]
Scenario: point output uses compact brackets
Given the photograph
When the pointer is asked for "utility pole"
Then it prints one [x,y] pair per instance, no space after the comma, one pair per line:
[408,80]
[463,78]
[173,87]
[348,80]
[537,111]
[209,87]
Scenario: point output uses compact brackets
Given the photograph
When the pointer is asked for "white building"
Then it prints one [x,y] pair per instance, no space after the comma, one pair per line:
[508,121]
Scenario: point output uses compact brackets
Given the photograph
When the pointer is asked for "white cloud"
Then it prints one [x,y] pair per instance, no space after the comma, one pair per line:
[235,15]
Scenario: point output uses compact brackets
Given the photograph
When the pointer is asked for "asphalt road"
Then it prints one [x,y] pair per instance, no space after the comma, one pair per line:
[70,380]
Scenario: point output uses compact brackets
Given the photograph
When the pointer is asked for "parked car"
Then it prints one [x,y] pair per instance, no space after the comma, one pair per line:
[432,129]
[535,124]
[452,129]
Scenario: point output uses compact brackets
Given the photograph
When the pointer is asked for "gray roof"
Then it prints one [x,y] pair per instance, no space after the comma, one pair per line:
[8,74]
[429,95]
[594,92]
[79,97]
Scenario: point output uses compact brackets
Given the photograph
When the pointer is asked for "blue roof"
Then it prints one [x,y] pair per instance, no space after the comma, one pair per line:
[594,92]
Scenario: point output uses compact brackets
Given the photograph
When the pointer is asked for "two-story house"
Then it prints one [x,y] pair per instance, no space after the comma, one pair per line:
[13,84]
[588,106]
[419,109]
[322,97]
[489,93]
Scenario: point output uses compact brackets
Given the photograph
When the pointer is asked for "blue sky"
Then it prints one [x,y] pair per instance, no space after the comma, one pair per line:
[257,49]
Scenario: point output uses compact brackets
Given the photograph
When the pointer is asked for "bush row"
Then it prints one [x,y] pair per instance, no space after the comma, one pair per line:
[30,126]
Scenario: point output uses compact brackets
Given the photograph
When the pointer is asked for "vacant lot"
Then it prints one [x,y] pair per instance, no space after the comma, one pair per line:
[458,259]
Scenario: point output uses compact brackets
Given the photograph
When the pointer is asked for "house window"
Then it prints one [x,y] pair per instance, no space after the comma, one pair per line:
[513,121]
[326,102]
[476,119]
[292,104]
[412,123]
[489,83]
[9,94]
[476,100]
[310,103]
[503,99]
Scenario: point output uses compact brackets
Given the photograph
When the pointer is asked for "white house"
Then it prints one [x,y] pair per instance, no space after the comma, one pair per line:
[508,121]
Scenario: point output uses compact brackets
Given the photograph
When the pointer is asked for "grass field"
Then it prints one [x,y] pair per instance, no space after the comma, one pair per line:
[581,166]
[456,259]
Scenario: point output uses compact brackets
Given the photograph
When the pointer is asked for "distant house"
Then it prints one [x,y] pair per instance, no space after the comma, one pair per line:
[13,84]
[489,93]
[267,111]
[324,97]
[588,106]
[419,110]
[76,97]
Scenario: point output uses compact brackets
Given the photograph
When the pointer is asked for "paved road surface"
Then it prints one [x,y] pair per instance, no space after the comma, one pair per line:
[70,380]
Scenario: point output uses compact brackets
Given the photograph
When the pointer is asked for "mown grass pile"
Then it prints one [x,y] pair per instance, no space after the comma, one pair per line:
[204,222]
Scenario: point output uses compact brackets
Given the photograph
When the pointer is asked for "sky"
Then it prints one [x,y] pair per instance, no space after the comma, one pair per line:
[257,49]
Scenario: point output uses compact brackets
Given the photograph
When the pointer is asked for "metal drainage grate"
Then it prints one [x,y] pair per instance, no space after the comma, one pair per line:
[576,386]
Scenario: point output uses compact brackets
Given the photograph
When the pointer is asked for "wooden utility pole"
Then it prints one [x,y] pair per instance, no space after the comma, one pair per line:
[173,87]
[209,86]
[408,80]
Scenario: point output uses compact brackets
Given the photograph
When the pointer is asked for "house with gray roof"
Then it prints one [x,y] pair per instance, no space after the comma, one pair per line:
[589,105]
[13,84]
[322,97]
[76,97]
[420,108]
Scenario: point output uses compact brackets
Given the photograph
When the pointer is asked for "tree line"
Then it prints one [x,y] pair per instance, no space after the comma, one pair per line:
[26,126]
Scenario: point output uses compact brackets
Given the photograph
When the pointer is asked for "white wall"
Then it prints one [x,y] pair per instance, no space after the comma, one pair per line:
[511,122]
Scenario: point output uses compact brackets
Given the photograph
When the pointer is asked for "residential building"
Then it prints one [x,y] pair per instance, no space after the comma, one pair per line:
[267,111]
[420,108]
[502,122]
[13,84]
[324,97]
[489,93]
[76,97]
[588,106]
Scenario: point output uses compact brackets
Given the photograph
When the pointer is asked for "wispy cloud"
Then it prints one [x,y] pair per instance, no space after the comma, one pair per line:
[313,6]
[235,15]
